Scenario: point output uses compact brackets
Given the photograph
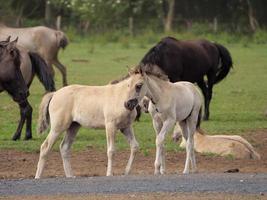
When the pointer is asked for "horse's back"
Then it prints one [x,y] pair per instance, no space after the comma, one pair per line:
[188,87]
[187,60]
[80,103]
[39,39]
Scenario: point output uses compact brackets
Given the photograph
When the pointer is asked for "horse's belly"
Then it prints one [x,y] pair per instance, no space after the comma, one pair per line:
[88,120]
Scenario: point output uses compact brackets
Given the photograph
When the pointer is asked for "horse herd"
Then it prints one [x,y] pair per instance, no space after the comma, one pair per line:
[162,83]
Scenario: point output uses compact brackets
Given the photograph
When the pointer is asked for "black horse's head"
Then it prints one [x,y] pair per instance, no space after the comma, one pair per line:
[11,78]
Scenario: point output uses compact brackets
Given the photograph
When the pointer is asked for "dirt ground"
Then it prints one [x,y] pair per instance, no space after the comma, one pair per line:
[92,162]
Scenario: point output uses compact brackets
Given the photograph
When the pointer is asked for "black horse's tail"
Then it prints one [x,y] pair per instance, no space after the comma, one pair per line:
[199,118]
[226,63]
[41,69]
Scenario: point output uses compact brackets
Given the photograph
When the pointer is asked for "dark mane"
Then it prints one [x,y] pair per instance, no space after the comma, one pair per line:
[17,57]
[15,53]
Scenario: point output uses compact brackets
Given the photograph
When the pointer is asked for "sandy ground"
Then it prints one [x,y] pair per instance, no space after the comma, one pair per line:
[92,162]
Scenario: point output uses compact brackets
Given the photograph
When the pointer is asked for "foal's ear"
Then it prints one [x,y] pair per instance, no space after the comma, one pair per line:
[12,44]
[16,40]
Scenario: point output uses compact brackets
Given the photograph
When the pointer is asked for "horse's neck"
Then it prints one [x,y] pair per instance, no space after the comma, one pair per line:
[119,89]
[156,88]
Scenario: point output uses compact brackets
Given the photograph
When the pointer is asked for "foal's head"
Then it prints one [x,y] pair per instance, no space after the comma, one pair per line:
[136,88]
[10,75]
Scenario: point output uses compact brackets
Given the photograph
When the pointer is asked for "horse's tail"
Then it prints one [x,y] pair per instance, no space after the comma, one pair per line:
[226,63]
[41,69]
[62,40]
[199,117]
[44,119]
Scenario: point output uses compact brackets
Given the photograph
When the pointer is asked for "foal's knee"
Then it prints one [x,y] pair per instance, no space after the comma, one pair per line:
[110,152]
[159,140]
[44,149]
[135,147]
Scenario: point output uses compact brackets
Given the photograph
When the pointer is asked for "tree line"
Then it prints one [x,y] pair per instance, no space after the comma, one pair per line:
[245,16]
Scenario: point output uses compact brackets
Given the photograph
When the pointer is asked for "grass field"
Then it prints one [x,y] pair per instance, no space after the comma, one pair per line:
[238,101]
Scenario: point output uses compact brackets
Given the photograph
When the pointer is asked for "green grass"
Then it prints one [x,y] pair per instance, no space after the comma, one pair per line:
[237,106]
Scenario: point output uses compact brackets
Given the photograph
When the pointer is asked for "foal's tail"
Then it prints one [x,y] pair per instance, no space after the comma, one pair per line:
[44,119]
[226,63]
[42,71]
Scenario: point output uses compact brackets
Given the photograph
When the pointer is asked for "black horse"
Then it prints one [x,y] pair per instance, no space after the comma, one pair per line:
[191,61]
[12,81]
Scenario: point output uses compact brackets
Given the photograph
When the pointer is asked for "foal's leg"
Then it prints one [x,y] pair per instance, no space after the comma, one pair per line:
[25,113]
[129,134]
[157,124]
[62,69]
[192,127]
[110,134]
[65,147]
[177,133]
[160,143]
[44,150]
[188,133]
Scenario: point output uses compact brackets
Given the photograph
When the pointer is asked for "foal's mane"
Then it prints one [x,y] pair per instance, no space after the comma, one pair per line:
[149,69]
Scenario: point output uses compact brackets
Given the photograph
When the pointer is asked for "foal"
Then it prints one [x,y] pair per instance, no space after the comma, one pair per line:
[111,107]
[170,103]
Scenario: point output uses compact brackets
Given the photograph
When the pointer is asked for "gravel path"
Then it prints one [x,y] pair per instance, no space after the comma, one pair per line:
[228,183]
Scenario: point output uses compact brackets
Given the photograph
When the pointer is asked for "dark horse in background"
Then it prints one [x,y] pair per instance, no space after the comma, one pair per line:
[191,61]
[17,70]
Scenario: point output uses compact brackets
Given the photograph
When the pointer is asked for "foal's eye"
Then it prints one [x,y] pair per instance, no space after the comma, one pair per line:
[138,87]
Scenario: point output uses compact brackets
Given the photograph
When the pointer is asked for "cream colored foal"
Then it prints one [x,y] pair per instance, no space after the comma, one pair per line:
[111,107]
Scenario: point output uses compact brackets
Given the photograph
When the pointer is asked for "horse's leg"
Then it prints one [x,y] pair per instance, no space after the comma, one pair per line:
[160,144]
[110,134]
[25,113]
[65,147]
[129,134]
[44,150]
[177,133]
[204,88]
[62,69]
[28,123]
[157,124]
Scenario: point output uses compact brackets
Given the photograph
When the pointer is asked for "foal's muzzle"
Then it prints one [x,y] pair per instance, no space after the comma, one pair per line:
[131,104]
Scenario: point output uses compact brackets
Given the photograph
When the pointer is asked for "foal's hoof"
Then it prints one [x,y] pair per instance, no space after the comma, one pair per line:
[186,172]
[157,173]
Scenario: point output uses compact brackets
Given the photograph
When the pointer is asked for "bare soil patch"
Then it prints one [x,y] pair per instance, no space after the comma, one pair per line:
[92,162]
